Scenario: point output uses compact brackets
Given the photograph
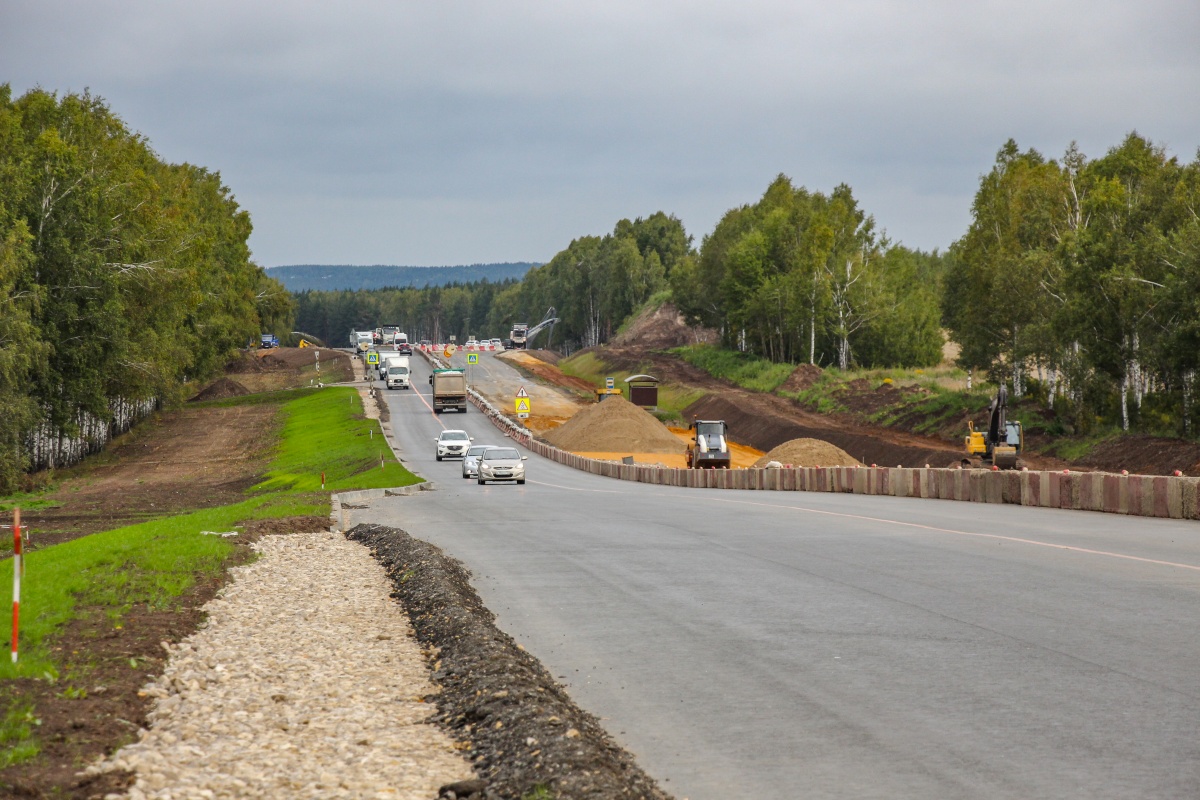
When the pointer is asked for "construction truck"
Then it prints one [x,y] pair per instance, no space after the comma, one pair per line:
[710,447]
[268,341]
[518,335]
[449,390]
[1001,444]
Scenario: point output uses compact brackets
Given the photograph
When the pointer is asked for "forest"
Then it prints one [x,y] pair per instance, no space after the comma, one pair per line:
[122,279]
[1076,283]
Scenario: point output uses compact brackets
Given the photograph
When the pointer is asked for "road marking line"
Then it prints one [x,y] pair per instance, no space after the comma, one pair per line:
[436,418]
[573,489]
[997,536]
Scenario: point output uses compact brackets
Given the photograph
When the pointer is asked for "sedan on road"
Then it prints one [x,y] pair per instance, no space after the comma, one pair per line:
[470,463]
[501,464]
[452,444]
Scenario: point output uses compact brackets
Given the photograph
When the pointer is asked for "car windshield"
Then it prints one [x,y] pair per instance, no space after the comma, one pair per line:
[498,453]
[398,371]
[456,436]
[478,449]
[709,428]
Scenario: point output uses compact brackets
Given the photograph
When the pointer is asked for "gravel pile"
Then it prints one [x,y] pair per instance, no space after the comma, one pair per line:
[305,682]
[613,425]
[525,734]
[809,453]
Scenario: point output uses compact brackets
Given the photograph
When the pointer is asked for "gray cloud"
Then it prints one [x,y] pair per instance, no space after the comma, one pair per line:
[457,132]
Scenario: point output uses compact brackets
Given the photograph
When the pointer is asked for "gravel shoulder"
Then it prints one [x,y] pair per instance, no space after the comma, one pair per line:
[305,681]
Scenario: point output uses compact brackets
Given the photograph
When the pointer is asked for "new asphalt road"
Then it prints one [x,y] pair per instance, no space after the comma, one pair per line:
[788,644]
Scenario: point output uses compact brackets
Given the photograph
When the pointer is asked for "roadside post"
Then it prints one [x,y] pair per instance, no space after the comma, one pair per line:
[472,359]
[18,566]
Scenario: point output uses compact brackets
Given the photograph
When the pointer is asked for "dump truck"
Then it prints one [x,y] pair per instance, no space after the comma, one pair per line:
[709,448]
[1001,444]
[268,341]
[449,390]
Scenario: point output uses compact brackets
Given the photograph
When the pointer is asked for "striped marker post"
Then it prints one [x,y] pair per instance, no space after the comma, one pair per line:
[17,566]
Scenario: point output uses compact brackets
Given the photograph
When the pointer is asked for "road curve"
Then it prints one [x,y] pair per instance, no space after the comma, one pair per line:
[762,644]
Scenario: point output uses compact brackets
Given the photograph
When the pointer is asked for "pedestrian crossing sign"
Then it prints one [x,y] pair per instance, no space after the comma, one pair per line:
[472,358]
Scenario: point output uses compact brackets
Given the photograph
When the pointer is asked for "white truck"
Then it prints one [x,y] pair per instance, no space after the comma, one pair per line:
[397,372]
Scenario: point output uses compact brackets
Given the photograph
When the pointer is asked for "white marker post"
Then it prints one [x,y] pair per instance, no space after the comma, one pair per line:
[16,580]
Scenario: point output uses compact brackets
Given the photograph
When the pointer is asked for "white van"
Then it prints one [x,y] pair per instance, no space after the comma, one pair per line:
[397,372]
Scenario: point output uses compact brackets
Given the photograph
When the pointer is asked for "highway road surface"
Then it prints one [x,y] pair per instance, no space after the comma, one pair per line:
[788,644]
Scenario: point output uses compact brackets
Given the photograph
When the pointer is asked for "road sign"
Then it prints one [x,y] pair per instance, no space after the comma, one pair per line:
[447,353]
[522,404]
[609,383]
[372,358]
[472,358]
[522,393]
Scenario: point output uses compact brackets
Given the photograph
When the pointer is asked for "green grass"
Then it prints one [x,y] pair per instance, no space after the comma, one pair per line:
[156,561]
[319,436]
[743,369]
[16,734]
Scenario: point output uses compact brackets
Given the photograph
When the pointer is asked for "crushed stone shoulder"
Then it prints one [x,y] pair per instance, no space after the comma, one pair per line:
[305,681]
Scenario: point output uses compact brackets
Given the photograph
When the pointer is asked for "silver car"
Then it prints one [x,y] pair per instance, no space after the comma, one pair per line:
[470,463]
[501,464]
[452,444]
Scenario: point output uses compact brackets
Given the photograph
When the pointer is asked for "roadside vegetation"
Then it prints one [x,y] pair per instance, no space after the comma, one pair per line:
[743,369]
[153,564]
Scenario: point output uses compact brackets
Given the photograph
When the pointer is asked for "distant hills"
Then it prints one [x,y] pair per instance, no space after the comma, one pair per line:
[333,277]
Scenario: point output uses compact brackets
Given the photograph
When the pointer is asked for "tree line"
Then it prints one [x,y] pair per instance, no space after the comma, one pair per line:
[1079,280]
[122,278]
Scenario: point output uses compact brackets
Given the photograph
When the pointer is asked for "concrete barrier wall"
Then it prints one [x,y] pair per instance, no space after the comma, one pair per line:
[1135,495]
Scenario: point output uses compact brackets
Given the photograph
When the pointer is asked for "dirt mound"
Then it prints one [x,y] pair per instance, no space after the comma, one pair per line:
[662,328]
[809,453]
[517,724]
[219,390]
[757,422]
[549,356]
[614,424]
[802,378]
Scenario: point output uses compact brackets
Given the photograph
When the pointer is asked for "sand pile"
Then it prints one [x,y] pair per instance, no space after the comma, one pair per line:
[611,425]
[808,453]
[220,390]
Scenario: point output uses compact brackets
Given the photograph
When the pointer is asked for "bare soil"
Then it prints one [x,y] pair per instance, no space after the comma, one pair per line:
[808,453]
[663,328]
[614,423]
[519,726]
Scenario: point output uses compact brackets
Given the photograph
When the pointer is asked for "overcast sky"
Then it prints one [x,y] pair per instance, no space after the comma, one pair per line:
[456,132]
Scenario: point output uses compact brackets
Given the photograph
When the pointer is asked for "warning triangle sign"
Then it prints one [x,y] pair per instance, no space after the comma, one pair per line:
[523,406]
[522,393]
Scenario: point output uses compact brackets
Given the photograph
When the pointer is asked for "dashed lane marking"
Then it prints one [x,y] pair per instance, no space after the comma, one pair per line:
[954,532]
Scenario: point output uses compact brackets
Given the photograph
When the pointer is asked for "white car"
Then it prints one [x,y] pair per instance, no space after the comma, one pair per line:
[501,464]
[452,444]
[470,463]
[499,345]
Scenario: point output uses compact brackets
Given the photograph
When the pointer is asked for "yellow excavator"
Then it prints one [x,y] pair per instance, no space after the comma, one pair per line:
[1001,444]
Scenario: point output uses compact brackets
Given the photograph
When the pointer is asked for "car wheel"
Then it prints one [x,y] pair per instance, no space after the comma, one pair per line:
[521,482]
[482,482]
[439,458]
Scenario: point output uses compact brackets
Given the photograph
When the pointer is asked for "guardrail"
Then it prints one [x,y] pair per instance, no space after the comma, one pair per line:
[1167,496]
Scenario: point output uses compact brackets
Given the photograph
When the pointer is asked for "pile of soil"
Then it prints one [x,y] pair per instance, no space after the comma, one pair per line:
[663,328]
[220,390]
[801,379]
[519,726]
[809,453]
[614,424]
[549,356]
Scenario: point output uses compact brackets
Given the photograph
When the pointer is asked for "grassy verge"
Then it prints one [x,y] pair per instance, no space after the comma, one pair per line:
[745,370]
[156,561]
[672,399]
